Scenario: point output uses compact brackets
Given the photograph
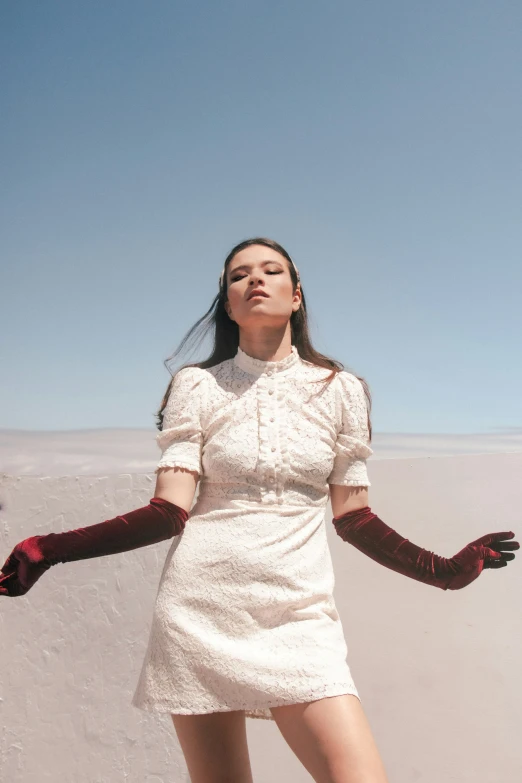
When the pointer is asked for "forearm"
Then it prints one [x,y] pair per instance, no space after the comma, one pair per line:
[156,522]
[33,556]
[364,530]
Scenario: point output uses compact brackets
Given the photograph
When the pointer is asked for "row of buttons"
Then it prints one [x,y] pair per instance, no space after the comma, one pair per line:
[271,391]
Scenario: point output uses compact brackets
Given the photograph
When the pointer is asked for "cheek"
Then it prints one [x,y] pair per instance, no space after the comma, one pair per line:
[234,299]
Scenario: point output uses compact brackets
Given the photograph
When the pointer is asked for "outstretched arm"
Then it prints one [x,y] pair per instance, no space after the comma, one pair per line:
[362,528]
[33,556]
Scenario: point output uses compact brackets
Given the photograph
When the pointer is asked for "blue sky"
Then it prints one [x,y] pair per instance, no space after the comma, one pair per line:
[379,142]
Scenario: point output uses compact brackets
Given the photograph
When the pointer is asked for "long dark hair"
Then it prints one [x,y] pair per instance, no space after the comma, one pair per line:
[226,331]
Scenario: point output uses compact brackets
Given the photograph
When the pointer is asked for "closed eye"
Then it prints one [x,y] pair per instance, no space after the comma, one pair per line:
[233,279]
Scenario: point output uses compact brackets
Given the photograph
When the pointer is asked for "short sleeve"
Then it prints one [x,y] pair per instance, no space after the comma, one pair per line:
[352,446]
[181,439]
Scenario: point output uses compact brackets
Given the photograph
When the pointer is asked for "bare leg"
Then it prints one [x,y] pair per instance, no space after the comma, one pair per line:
[215,746]
[332,739]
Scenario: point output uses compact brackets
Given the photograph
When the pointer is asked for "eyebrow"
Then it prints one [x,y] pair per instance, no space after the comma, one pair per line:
[248,266]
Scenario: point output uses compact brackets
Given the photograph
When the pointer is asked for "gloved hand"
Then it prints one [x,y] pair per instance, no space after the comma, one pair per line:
[490,551]
[24,566]
[30,558]
[374,538]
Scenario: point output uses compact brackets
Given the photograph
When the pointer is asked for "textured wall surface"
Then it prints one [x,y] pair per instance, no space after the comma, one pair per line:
[438,671]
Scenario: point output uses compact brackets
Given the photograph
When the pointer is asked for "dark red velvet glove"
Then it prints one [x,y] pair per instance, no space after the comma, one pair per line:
[156,522]
[374,538]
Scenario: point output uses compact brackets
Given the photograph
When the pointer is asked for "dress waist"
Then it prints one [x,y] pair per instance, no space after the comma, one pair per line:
[221,496]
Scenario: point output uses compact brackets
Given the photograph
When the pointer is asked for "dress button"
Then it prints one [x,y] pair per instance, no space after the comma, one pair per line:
[270,391]
[273,448]
[271,480]
[272,419]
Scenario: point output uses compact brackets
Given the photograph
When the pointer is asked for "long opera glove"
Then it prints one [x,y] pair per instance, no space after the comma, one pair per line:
[374,538]
[156,522]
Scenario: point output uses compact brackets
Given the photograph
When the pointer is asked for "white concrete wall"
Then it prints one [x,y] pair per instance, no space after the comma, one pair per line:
[438,672]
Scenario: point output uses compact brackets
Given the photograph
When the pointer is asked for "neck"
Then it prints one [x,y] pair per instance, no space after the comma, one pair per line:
[267,346]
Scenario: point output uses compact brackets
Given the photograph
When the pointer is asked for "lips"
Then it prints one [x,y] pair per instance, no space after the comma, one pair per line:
[257,293]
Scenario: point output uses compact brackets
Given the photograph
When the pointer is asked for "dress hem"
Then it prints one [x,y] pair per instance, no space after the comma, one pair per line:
[252,710]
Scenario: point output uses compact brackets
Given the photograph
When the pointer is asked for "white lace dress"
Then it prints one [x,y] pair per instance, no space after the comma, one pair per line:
[244,617]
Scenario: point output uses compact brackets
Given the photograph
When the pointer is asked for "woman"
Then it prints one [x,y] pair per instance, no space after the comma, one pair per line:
[245,623]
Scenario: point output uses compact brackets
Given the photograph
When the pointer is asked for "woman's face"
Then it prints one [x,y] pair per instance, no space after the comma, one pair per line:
[259,267]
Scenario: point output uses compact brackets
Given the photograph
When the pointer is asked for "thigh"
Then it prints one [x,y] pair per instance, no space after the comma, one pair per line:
[215,746]
[332,739]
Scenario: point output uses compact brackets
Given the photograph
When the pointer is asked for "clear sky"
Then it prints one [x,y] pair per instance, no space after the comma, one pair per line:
[380,142]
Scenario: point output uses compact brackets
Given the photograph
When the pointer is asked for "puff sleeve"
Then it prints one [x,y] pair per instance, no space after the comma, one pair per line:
[352,445]
[181,439]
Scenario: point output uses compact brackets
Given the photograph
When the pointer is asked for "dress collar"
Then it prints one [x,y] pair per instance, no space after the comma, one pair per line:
[259,367]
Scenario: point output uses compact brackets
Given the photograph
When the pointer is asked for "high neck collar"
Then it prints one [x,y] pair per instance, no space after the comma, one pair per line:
[259,367]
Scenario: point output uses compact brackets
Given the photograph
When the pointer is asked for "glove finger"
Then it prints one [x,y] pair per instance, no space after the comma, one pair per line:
[507,555]
[505,546]
[491,538]
[9,565]
[7,575]
[11,586]
[490,556]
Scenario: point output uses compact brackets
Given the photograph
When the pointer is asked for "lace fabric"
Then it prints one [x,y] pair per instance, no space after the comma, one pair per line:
[298,440]
[253,561]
